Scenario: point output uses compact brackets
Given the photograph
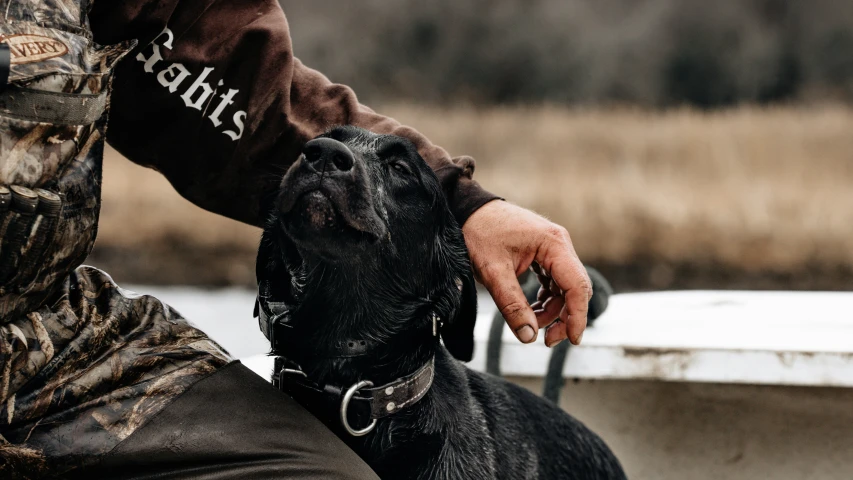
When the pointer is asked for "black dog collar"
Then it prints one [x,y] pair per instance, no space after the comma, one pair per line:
[360,403]
[273,319]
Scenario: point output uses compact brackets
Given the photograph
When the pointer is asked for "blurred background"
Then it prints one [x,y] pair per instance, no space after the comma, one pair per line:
[683,143]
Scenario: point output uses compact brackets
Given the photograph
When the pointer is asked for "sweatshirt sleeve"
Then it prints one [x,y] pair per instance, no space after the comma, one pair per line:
[214,99]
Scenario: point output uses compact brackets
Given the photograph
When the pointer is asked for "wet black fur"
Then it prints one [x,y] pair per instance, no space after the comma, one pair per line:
[387,255]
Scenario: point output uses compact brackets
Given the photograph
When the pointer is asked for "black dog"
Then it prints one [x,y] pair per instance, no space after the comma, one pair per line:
[361,269]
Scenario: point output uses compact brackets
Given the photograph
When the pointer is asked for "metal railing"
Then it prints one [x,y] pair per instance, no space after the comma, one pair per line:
[554,381]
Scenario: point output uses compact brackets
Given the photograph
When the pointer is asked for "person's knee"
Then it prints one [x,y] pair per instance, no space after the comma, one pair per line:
[234,424]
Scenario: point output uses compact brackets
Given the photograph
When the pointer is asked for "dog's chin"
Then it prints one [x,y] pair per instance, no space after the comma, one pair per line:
[316,225]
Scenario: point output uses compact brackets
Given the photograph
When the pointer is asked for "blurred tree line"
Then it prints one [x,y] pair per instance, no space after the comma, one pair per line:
[655,53]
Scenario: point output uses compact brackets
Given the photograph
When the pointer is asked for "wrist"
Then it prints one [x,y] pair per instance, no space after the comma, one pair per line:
[482,212]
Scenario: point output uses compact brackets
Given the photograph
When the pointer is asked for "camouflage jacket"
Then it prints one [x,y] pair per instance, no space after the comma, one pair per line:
[83,364]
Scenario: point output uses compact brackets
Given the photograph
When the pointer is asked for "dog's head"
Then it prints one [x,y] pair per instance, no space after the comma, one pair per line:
[360,243]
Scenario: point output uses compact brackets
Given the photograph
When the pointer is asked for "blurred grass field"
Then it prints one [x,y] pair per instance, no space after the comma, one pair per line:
[743,198]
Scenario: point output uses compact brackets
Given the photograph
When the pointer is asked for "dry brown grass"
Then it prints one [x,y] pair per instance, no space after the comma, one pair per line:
[750,190]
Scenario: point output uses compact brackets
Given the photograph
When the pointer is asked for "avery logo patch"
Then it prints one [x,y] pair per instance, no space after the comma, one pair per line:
[26,48]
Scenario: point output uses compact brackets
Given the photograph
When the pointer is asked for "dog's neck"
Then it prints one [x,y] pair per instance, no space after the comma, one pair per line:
[340,305]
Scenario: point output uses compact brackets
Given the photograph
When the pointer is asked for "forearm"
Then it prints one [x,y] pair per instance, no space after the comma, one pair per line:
[215,100]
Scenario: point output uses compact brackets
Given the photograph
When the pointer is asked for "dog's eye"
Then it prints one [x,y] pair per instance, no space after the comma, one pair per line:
[400,167]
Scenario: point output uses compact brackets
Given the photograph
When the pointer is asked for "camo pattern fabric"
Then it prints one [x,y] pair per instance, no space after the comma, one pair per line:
[63,159]
[80,375]
[83,364]
[51,38]
[68,15]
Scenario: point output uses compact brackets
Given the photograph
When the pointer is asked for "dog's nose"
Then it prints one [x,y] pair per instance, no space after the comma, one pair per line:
[328,155]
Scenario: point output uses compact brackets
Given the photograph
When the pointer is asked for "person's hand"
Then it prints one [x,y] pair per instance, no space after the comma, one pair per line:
[504,240]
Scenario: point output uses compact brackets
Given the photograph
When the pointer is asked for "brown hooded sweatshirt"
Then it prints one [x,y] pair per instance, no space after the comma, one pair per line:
[214,99]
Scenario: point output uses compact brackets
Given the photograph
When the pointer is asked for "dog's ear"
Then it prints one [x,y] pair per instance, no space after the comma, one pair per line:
[458,332]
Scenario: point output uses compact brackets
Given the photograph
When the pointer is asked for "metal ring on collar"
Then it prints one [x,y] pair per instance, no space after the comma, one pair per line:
[345,404]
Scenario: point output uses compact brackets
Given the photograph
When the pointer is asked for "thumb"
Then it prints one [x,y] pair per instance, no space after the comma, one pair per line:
[504,288]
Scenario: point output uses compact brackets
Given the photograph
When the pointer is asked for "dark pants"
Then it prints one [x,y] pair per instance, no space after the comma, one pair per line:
[232,424]
[104,383]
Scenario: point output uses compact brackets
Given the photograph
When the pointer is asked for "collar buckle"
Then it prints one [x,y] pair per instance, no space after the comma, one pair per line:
[272,318]
[436,324]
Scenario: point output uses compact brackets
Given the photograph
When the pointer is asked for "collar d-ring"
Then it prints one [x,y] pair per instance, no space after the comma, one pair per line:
[345,404]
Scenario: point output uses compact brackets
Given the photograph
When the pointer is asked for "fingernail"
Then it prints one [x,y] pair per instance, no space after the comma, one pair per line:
[525,334]
[578,340]
[553,344]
